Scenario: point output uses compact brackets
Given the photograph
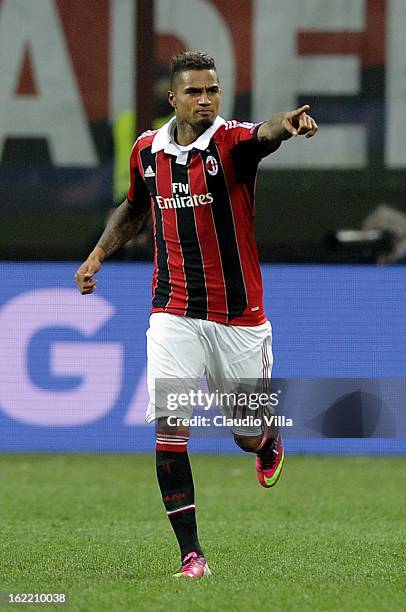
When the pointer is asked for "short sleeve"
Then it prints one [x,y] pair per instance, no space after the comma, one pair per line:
[138,195]
[241,139]
[244,136]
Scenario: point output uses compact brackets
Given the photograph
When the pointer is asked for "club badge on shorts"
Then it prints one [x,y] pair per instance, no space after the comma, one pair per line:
[212,165]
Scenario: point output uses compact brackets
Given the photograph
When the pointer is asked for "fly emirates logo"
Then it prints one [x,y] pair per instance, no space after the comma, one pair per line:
[182,198]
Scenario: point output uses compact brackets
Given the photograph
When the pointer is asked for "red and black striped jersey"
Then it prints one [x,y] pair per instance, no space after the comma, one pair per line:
[202,196]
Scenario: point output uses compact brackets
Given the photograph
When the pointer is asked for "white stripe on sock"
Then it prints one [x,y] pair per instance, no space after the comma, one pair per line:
[181,509]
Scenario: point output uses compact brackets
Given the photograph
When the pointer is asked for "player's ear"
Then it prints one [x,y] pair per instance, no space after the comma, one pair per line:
[171,99]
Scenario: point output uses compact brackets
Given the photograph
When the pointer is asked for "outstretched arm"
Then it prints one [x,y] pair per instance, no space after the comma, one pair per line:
[123,225]
[283,126]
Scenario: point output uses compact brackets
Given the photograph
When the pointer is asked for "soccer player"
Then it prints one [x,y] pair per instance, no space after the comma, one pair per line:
[197,174]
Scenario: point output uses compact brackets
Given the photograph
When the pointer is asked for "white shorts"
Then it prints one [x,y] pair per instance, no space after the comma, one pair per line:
[182,350]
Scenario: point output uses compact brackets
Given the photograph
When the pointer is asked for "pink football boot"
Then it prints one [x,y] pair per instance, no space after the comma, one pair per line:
[269,462]
[193,566]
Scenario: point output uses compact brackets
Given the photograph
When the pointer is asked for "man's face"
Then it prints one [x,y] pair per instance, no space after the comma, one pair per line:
[196,97]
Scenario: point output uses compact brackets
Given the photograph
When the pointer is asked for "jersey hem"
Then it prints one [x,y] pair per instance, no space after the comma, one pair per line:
[240,321]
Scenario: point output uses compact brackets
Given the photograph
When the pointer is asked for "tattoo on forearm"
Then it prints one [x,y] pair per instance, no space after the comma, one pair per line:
[273,133]
[122,226]
[271,143]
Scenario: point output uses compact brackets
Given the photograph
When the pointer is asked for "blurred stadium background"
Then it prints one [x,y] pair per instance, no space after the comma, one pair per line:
[78,81]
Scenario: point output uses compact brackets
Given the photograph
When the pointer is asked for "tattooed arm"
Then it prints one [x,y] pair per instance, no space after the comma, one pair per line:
[123,225]
[283,126]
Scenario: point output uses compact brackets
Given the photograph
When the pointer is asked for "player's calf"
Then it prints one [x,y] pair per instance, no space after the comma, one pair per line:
[248,444]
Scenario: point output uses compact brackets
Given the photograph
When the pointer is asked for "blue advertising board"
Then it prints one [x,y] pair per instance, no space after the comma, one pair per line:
[72,367]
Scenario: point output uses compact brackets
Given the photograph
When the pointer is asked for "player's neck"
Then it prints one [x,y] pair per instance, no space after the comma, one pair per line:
[185,133]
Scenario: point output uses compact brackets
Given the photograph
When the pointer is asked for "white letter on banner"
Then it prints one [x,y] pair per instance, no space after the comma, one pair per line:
[56,113]
[280,75]
[201,26]
[100,364]
[395,149]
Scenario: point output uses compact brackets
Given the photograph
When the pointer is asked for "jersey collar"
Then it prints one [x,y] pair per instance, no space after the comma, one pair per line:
[164,138]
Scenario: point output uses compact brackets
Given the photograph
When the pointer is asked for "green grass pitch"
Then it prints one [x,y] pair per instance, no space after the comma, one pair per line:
[329,536]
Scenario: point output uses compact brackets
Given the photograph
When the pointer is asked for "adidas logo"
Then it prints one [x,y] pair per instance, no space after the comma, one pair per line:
[149,172]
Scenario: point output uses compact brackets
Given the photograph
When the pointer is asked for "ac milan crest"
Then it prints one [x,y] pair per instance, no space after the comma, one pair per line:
[212,165]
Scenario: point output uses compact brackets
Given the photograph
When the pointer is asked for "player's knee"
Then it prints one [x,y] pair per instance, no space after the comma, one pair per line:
[248,444]
[166,425]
